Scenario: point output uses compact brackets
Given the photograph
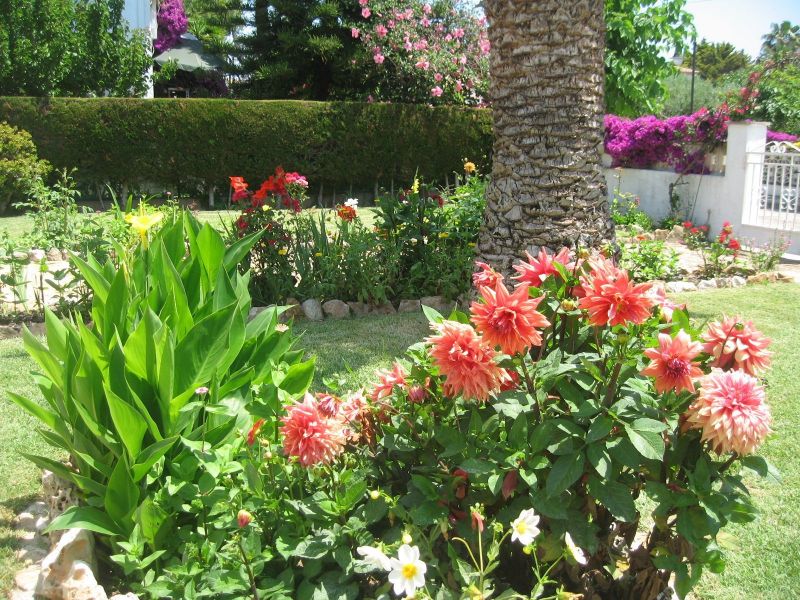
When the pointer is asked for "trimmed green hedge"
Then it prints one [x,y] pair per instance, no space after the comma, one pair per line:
[198,143]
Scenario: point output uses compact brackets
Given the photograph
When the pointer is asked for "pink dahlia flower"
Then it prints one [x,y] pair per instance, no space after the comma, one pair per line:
[388,379]
[731,412]
[309,435]
[487,276]
[508,320]
[536,270]
[465,360]
[735,344]
[671,363]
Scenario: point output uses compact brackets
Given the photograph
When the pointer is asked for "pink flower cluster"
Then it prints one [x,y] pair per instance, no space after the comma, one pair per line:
[172,23]
[443,50]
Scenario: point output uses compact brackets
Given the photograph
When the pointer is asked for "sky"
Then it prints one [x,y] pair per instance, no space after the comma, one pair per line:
[741,22]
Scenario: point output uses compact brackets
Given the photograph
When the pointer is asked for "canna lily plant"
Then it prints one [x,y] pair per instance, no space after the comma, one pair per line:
[161,374]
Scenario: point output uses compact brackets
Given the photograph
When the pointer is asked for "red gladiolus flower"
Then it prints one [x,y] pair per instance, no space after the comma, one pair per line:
[731,412]
[251,435]
[687,224]
[508,320]
[612,299]
[738,345]
[671,363]
[310,435]
[734,244]
[239,195]
[238,184]
[465,360]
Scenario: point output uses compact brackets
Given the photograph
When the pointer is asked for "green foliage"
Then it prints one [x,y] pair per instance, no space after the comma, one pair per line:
[649,260]
[706,93]
[779,98]
[781,43]
[20,167]
[70,48]
[625,211]
[127,141]
[640,37]
[123,396]
[714,60]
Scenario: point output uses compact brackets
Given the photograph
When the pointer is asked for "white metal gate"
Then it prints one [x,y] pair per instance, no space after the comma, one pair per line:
[774,181]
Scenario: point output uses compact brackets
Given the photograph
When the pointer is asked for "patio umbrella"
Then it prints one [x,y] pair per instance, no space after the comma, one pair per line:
[190,56]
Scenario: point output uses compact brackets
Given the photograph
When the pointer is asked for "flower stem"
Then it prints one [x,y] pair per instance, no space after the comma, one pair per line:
[249,570]
[612,385]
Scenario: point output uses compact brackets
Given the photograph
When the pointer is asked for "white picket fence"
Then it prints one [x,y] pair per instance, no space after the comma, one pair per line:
[775,181]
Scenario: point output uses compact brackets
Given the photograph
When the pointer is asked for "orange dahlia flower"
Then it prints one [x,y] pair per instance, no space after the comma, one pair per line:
[508,320]
[731,412]
[486,276]
[735,344]
[612,299]
[465,360]
[388,379]
[671,363]
[536,270]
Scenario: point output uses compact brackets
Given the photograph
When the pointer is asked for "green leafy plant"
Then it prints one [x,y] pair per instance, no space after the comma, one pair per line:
[20,167]
[767,256]
[647,260]
[625,211]
[163,374]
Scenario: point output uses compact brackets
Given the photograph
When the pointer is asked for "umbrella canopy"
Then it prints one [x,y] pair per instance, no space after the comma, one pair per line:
[190,56]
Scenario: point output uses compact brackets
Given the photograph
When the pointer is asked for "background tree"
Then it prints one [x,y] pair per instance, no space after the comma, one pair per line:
[546,188]
[70,48]
[714,60]
[640,37]
[782,43]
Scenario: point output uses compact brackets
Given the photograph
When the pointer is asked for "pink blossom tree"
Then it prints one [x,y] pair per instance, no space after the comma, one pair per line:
[425,51]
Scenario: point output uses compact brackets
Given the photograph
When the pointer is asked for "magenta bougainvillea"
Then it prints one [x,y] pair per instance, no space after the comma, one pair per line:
[681,142]
[172,23]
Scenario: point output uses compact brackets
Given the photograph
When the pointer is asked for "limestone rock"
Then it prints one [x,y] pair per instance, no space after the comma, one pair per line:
[785,277]
[26,579]
[8,332]
[359,308]
[438,303]
[407,306]
[677,233]
[661,234]
[737,281]
[81,584]
[54,254]
[75,546]
[723,282]
[336,309]
[59,495]
[312,309]
[20,256]
[762,278]
[37,329]
[383,309]
[128,596]
[677,287]
[36,255]
[707,284]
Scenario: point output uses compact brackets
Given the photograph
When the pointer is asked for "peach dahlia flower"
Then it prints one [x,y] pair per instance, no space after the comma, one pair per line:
[612,299]
[465,360]
[671,363]
[731,412]
[735,344]
[508,320]
[309,435]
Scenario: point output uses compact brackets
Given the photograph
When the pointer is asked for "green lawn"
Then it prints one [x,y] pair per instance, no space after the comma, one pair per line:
[765,563]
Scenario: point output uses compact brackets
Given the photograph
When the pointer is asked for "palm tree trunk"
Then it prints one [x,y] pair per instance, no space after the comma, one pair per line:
[547,187]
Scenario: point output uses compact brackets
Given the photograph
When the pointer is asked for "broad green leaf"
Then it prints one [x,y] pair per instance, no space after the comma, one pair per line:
[122,495]
[599,459]
[648,443]
[129,424]
[199,353]
[52,420]
[84,483]
[298,377]
[433,315]
[566,471]
[151,519]
[97,281]
[85,517]
[616,497]
[149,456]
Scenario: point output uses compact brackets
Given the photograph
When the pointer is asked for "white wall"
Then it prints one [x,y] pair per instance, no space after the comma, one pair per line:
[707,199]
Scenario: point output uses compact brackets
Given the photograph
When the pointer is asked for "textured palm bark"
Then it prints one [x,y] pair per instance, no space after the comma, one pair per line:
[547,188]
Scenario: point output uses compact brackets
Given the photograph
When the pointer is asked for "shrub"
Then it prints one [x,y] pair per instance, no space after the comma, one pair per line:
[20,167]
[649,260]
[625,211]
[167,142]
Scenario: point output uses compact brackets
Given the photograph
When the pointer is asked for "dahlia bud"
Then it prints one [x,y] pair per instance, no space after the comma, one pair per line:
[374,494]
[568,305]
[243,518]
[407,539]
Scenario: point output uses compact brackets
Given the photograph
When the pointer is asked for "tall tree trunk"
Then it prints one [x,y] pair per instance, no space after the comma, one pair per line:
[547,187]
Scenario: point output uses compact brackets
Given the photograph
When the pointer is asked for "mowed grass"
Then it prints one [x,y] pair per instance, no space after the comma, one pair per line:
[764,561]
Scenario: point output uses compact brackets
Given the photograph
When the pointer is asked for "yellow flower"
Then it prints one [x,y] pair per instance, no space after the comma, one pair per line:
[283,251]
[415,186]
[444,235]
[265,207]
[142,223]
[469,167]
[317,253]
[471,244]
